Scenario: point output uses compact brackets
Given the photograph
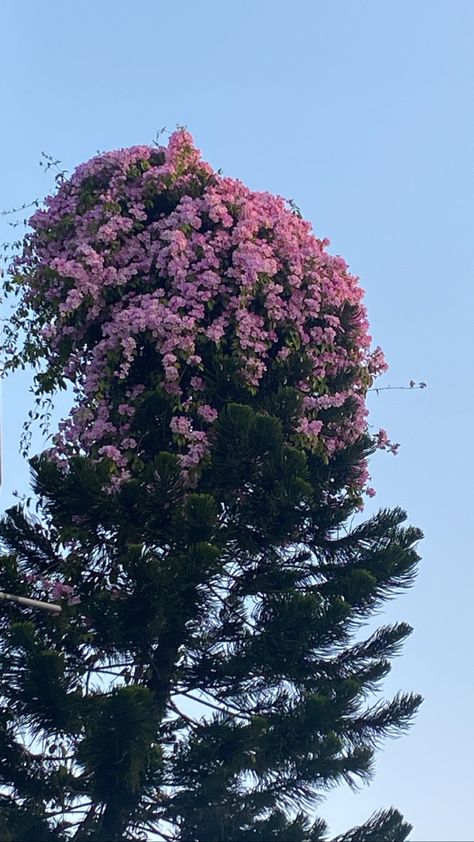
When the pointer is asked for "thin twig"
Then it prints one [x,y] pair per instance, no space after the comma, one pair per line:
[193,722]
[229,713]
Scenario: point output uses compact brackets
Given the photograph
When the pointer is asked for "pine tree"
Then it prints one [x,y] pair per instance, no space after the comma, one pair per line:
[206,680]
[180,602]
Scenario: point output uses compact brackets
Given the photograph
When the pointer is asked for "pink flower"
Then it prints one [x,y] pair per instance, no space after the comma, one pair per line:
[226,270]
[59,590]
[207,413]
[382,438]
[376,362]
[310,429]
[113,453]
[180,425]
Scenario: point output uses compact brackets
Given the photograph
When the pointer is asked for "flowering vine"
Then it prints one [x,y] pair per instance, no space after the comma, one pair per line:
[149,281]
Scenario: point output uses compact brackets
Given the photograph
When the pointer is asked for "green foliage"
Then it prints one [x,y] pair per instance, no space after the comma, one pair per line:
[213,681]
[385,826]
[22,823]
[119,752]
[262,481]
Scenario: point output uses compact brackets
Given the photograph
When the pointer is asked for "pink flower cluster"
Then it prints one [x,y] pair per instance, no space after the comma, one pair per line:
[57,590]
[149,251]
[383,442]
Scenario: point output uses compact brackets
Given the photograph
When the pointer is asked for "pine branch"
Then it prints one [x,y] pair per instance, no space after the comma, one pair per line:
[385,826]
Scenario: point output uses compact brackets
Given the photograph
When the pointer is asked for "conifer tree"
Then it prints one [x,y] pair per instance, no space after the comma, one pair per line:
[206,679]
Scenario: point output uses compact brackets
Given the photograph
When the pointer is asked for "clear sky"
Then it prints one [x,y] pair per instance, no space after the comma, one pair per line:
[362,111]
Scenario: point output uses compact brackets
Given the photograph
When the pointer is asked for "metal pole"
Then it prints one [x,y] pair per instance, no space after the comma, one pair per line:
[31,603]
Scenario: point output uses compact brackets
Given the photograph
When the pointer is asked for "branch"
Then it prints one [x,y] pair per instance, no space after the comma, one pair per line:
[411,386]
[193,722]
[87,820]
[229,713]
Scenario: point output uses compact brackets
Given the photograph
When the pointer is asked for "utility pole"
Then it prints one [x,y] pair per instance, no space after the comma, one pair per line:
[51,607]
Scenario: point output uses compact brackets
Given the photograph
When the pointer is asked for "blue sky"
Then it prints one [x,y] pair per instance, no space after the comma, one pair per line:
[362,111]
